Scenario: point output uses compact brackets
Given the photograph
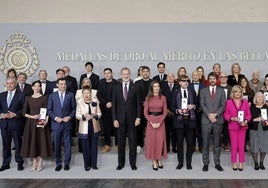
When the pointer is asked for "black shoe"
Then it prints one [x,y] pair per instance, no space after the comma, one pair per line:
[174,150]
[119,167]
[262,166]
[95,168]
[219,168]
[66,167]
[87,169]
[205,168]
[240,169]
[256,166]
[189,166]
[179,166]
[58,168]
[134,167]
[200,149]
[155,168]
[20,167]
[4,167]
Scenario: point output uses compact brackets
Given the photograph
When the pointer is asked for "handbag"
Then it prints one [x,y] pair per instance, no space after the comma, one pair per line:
[96,125]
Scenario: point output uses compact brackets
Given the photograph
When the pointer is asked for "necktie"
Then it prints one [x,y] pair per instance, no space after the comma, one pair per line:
[9,98]
[61,99]
[213,94]
[170,87]
[161,77]
[184,93]
[125,92]
[21,87]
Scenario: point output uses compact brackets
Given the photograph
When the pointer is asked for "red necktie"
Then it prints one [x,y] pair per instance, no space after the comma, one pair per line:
[213,94]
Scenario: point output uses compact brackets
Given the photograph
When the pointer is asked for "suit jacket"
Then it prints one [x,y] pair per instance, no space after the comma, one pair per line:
[167,93]
[81,109]
[143,91]
[175,105]
[16,106]
[47,87]
[197,95]
[126,110]
[105,92]
[27,89]
[208,106]
[157,78]
[231,110]
[73,81]
[94,78]
[232,81]
[229,88]
[54,109]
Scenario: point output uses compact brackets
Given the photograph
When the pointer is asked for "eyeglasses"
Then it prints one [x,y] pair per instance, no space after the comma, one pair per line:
[184,80]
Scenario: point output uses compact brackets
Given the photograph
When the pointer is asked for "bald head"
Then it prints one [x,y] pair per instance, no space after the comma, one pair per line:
[170,77]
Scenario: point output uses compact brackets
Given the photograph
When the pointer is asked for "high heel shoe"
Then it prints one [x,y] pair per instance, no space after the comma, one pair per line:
[39,168]
[256,166]
[34,167]
[160,165]
[155,168]
[234,167]
[240,167]
[262,166]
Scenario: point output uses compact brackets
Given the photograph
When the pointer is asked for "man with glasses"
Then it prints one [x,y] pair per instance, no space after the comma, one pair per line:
[183,105]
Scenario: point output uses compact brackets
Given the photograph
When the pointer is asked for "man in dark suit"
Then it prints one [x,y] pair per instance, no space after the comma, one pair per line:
[161,77]
[93,77]
[168,87]
[11,123]
[212,101]
[52,87]
[23,86]
[126,113]
[44,82]
[61,109]
[70,79]
[104,95]
[143,86]
[183,105]
[196,86]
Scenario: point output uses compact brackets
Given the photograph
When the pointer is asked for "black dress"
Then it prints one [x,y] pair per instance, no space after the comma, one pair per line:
[36,140]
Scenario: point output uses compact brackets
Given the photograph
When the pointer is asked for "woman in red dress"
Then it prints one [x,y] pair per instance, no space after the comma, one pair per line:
[155,111]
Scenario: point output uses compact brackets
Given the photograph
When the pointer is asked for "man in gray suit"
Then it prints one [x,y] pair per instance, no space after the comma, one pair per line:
[212,102]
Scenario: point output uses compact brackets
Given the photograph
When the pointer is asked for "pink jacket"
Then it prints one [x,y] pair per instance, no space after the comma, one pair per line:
[232,111]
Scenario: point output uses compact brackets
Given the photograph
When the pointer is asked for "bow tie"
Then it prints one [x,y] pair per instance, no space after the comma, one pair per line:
[195,83]
[43,82]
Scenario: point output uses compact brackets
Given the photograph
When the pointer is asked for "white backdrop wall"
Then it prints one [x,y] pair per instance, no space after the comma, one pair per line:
[188,45]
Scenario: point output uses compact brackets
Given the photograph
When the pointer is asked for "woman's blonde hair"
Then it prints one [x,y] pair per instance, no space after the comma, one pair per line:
[236,88]
[233,65]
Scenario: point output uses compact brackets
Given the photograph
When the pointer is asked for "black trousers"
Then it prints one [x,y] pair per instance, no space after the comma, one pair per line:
[126,129]
[7,136]
[170,133]
[186,132]
[140,131]
[108,128]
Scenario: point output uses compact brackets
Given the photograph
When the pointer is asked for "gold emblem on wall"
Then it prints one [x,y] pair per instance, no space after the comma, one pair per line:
[19,54]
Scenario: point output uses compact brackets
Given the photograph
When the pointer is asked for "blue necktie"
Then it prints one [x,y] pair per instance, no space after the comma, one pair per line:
[9,99]
[61,99]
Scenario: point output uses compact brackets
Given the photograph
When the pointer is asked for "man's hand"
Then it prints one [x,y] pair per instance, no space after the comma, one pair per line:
[66,119]
[116,124]
[137,121]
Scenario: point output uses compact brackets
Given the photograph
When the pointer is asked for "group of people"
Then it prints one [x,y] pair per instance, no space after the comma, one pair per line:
[154,114]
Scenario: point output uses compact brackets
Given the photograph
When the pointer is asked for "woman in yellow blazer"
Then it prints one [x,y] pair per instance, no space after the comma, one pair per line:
[87,111]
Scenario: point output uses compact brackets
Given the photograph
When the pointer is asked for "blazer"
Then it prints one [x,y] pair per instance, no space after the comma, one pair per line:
[231,110]
[94,79]
[126,110]
[208,106]
[143,91]
[178,119]
[105,92]
[27,89]
[167,93]
[232,81]
[197,95]
[157,78]
[255,112]
[73,85]
[81,109]
[54,109]
[16,106]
